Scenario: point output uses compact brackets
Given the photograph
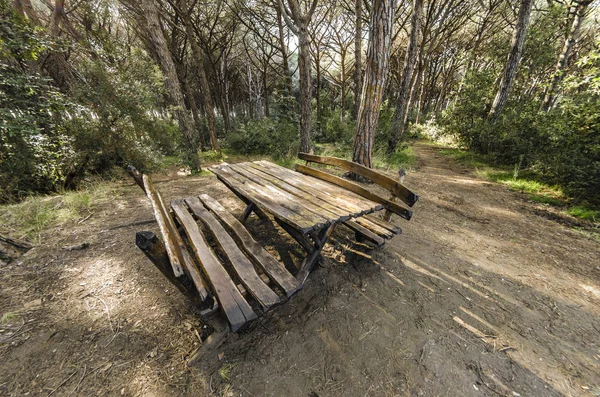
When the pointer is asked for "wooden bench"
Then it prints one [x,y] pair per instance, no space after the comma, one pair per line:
[250,279]
[370,227]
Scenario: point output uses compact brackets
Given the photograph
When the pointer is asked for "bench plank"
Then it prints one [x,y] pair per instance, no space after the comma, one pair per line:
[365,233]
[280,276]
[384,181]
[387,225]
[380,231]
[167,230]
[264,203]
[353,187]
[240,263]
[233,304]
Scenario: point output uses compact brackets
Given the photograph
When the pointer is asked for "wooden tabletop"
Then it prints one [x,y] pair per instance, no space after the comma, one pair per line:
[302,201]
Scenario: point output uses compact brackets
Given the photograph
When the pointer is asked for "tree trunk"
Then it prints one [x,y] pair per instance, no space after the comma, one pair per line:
[266,90]
[24,7]
[343,84]
[194,108]
[284,52]
[18,7]
[56,64]
[318,93]
[357,57]
[512,62]
[563,59]
[305,90]
[421,91]
[298,22]
[157,39]
[378,60]
[409,66]
[207,104]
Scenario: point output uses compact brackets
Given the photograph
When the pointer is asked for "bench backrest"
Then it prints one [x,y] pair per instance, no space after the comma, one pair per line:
[394,187]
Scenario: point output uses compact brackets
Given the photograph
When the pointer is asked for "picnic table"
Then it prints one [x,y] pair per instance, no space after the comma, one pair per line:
[230,271]
[309,203]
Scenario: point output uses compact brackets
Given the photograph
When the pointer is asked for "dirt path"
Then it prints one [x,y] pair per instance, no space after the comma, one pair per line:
[479,297]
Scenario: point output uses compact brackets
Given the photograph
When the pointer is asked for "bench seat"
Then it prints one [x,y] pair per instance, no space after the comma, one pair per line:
[246,279]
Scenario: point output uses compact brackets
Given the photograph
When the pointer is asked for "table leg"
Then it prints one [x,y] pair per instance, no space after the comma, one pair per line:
[313,249]
[246,212]
[299,237]
[314,256]
[250,207]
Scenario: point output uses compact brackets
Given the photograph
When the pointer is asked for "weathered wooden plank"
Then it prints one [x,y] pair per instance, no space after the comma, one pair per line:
[276,272]
[282,198]
[326,191]
[240,263]
[384,181]
[380,231]
[311,203]
[387,225]
[365,233]
[194,274]
[335,205]
[265,205]
[261,198]
[233,304]
[137,177]
[353,187]
[189,267]
[167,230]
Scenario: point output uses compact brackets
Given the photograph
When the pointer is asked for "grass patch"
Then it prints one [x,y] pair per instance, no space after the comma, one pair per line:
[33,216]
[524,181]
[585,212]
[466,158]
[225,371]
[402,158]
[9,317]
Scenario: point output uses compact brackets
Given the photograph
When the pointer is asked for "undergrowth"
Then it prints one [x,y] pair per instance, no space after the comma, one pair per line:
[403,157]
[34,215]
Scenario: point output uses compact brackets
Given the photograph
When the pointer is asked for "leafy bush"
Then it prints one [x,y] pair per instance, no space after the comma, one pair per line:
[275,137]
[336,129]
[50,140]
[562,146]
[33,144]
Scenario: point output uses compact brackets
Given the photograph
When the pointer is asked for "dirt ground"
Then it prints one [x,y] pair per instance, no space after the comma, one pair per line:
[482,295]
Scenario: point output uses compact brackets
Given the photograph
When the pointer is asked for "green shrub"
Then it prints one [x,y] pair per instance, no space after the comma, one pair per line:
[277,138]
[336,129]
[561,146]
[50,140]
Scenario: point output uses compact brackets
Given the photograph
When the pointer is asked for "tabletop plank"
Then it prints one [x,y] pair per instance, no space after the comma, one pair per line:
[264,202]
[282,197]
[331,193]
[281,188]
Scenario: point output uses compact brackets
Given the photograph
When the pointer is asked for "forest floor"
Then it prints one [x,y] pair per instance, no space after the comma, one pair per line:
[484,294]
